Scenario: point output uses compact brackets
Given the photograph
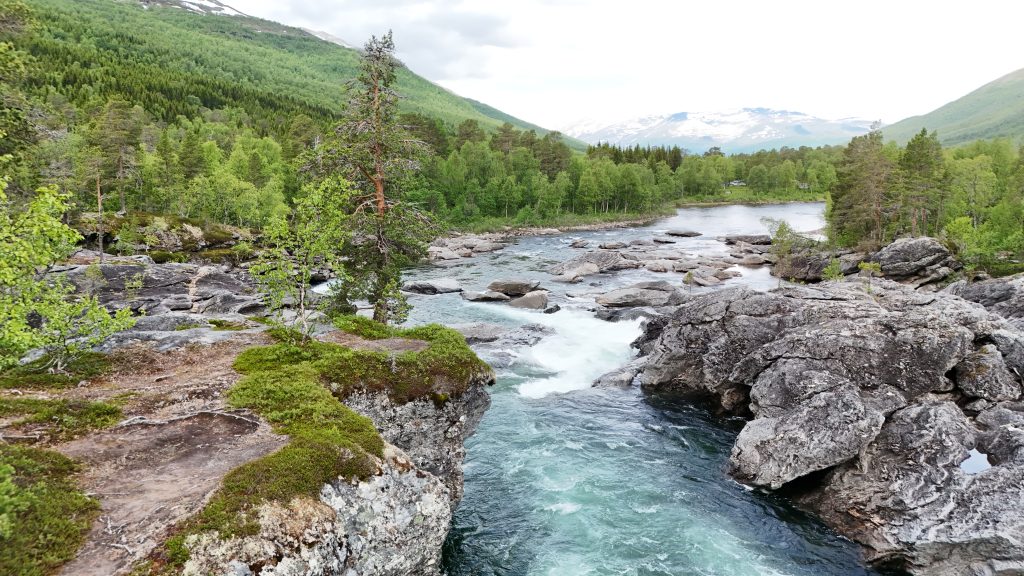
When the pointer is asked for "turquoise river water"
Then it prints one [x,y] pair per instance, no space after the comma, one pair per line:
[562,479]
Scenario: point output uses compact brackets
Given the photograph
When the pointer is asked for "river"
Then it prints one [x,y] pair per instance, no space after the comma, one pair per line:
[562,479]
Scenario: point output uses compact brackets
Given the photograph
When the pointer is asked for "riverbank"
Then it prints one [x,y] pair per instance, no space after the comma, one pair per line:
[202,445]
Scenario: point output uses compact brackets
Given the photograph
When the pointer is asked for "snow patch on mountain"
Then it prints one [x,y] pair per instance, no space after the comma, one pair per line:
[200,6]
[327,37]
[742,130]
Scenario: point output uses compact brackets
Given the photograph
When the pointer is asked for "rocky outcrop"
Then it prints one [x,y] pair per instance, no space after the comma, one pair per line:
[864,404]
[1004,296]
[393,523]
[921,261]
[432,433]
[918,261]
[809,266]
[162,288]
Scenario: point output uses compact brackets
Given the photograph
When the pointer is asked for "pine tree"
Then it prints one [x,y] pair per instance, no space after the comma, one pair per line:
[373,150]
[922,169]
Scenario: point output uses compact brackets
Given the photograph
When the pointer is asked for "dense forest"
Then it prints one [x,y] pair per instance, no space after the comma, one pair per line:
[125,109]
[971,196]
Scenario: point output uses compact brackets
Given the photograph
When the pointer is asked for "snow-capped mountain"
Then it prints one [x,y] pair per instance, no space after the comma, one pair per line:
[744,130]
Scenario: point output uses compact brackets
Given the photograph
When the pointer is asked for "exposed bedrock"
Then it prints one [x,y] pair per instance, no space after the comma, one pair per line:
[863,403]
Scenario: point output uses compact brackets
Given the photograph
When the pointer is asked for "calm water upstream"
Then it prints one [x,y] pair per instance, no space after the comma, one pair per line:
[563,479]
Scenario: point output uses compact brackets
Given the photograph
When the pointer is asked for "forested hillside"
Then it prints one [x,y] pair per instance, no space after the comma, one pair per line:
[173,62]
[996,110]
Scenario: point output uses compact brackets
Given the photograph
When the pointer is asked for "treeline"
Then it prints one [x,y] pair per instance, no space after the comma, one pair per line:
[764,175]
[972,196]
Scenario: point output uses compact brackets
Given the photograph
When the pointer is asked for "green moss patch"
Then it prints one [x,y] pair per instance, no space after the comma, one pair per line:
[49,516]
[221,325]
[328,441]
[163,256]
[35,375]
[365,327]
[66,419]
[443,370]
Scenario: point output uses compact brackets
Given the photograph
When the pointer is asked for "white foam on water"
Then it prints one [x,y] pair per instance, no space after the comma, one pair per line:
[563,508]
[581,349]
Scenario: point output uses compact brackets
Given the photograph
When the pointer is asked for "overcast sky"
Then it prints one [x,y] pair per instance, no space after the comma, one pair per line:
[554,62]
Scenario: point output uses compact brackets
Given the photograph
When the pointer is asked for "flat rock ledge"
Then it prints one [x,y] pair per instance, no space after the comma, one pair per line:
[864,404]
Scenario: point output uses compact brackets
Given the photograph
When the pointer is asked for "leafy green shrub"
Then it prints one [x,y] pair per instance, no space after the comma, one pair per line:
[834,271]
[364,327]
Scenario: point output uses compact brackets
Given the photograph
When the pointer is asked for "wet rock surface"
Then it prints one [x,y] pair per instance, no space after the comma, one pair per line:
[864,405]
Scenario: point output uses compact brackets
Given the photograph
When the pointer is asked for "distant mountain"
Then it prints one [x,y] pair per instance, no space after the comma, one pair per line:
[744,130]
[992,111]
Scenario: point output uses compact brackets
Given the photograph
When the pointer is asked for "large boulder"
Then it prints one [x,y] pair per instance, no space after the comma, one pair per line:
[577,274]
[486,296]
[867,403]
[432,287]
[642,294]
[605,260]
[535,300]
[514,287]
[920,261]
[680,233]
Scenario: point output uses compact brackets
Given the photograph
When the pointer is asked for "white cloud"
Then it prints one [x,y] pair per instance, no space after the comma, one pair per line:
[556,62]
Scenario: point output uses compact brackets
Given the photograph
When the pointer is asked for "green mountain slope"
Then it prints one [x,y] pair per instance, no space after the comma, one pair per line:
[995,110]
[173,61]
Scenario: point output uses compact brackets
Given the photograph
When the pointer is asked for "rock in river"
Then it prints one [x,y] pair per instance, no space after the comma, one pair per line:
[486,296]
[431,287]
[642,294]
[535,300]
[867,404]
[605,260]
[514,287]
